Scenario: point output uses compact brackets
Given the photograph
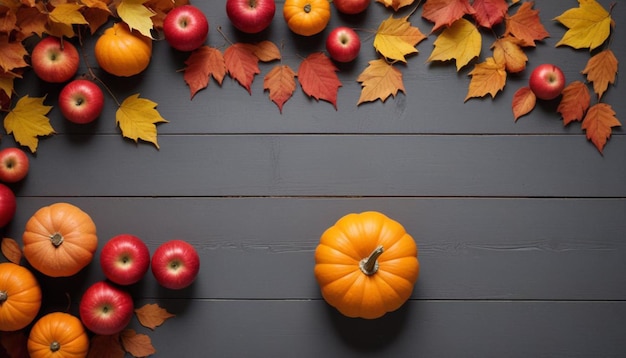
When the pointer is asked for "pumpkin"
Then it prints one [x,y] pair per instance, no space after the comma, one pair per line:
[366,265]
[58,335]
[59,240]
[20,297]
[122,52]
[306,17]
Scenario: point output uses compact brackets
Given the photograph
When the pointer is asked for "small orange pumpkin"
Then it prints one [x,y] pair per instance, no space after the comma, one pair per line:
[366,265]
[123,52]
[20,297]
[306,17]
[59,240]
[58,335]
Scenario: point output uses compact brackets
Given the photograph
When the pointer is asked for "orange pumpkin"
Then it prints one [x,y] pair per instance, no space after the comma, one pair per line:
[58,335]
[366,265]
[306,17]
[20,297]
[59,240]
[123,52]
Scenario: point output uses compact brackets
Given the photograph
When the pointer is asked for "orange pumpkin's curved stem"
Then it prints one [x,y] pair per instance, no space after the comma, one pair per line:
[56,239]
[369,265]
[3,296]
[55,346]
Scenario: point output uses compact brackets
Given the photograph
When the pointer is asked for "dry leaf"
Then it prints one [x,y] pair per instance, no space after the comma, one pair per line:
[445,12]
[11,54]
[11,250]
[488,77]
[152,315]
[526,25]
[524,101]
[106,346]
[379,80]
[281,84]
[589,25]
[242,64]
[318,78]
[508,50]
[396,38]
[396,4]
[204,63]
[137,118]
[461,42]
[136,15]
[265,51]
[139,345]
[14,343]
[490,12]
[598,123]
[574,103]
[601,70]
[27,121]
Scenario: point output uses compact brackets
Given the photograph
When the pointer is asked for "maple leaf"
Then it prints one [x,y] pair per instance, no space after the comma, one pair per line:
[446,12]
[139,345]
[137,118]
[265,51]
[396,38]
[574,102]
[508,50]
[63,17]
[589,25]
[488,77]
[11,250]
[27,121]
[11,54]
[490,12]
[379,80]
[601,70]
[281,84]
[598,122]
[6,82]
[526,25]
[318,78]
[396,4]
[460,42]
[31,20]
[96,13]
[151,315]
[136,15]
[524,101]
[106,346]
[242,64]
[204,63]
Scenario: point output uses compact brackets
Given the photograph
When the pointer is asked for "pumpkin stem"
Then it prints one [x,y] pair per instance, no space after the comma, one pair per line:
[369,265]
[3,296]
[56,239]
[55,346]
[307,8]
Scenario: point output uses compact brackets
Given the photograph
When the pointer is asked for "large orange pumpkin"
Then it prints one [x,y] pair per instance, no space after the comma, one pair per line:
[366,265]
[123,52]
[59,240]
[20,297]
[58,335]
[306,17]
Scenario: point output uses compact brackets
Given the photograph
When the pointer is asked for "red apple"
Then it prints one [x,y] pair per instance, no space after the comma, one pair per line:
[81,101]
[54,60]
[175,264]
[250,16]
[8,205]
[547,81]
[351,7]
[14,164]
[105,308]
[343,44]
[125,259]
[185,28]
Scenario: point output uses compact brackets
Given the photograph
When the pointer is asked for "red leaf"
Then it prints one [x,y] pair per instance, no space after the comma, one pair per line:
[524,101]
[242,64]
[574,103]
[202,64]
[137,344]
[490,12]
[598,122]
[526,25]
[152,315]
[445,12]
[281,83]
[106,346]
[14,344]
[318,79]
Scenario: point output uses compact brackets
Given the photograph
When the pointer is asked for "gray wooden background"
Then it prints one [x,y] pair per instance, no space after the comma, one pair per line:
[520,226]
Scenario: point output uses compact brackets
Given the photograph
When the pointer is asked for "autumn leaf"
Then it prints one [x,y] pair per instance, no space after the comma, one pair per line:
[63,17]
[598,123]
[281,84]
[379,80]
[14,343]
[460,42]
[11,250]
[152,315]
[242,64]
[31,20]
[137,118]
[601,70]
[574,103]
[488,77]
[589,25]
[445,12]
[139,345]
[204,63]
[526,25]
[11,54]
[396,38]
[524,101]
[27,121]
[318,78]
[508,50]
[136,15]
[490,12]
[265,51]
[396,4]
[106,346]
[7,80]
[97,13]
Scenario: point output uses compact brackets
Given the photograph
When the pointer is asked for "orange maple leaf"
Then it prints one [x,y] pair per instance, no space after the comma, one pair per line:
[490,12]
[598,123]
[31,20]
[11,54]
[601,69]
[318,78]
[526,25]
[204,63]
[508,50]
[488,77]
[524,101]
[139,345]
[265,51]
[446,12]
[379,80]
[574,103]
[242,64]
[106,346]
[151,315]
[281,84]
[396,4]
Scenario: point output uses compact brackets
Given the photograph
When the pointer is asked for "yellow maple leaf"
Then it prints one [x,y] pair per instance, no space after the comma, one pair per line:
[379,80]
[396,4]
[589,25]
[27,121]
[601,69]
[460,42]
[397,38]
[137,16]
[63,17]
[137,118]
[488,77]
[508,50]
[6,83]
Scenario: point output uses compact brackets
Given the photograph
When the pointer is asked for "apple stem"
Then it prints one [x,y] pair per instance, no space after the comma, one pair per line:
[56,239]
[369,265]
[219,29]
